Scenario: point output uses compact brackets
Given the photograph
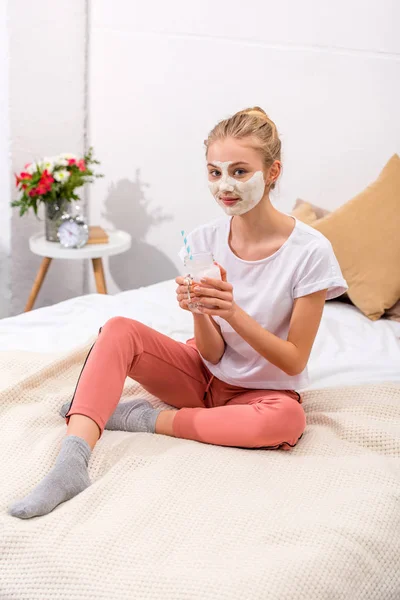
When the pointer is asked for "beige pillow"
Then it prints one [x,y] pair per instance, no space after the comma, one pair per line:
[365,235]
[305,213]
[319,212]
[393,313]
[309,215]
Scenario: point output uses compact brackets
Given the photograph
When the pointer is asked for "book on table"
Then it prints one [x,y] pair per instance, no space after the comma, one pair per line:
[97,235]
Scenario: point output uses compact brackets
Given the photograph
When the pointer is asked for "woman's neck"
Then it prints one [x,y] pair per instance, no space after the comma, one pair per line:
[262,221]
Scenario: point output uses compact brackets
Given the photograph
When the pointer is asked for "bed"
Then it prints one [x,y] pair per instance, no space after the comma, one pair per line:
[174,519]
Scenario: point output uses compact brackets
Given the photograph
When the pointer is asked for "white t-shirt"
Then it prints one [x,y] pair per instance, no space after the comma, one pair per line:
[265,289]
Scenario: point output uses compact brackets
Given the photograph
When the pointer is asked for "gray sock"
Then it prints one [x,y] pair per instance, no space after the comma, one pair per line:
[137,415]
[67,478]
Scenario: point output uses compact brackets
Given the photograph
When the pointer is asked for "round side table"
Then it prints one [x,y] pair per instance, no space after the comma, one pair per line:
[119,241]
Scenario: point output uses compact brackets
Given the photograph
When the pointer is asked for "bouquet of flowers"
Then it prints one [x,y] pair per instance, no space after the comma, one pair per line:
[53,180]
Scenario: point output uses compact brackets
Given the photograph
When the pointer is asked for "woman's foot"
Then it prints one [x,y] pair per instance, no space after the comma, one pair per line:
[67,478]
[136,416]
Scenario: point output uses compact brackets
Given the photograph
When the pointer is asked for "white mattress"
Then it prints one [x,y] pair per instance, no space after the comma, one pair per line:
[349,349]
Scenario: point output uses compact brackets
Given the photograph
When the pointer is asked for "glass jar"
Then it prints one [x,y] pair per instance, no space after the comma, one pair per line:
[53,212]
[201,265]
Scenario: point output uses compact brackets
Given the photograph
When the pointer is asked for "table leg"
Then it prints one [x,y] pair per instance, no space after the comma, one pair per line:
[99,276]
[37,284]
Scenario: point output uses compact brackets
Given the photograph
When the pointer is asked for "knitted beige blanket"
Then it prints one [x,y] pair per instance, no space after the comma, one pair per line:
[170,519]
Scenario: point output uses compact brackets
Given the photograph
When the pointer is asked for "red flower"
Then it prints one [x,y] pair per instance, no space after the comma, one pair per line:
[22,177]
[71,161]
[46,176]
[81,165]
[43,186]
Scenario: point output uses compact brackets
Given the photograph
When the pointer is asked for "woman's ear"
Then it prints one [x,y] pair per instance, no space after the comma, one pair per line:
[274,172]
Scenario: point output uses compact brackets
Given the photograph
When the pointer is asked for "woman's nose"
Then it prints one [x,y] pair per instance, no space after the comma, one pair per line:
[226,185]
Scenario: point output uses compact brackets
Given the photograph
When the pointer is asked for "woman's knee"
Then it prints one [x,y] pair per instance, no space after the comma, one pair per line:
[117,326]
[281,426]
[122,330]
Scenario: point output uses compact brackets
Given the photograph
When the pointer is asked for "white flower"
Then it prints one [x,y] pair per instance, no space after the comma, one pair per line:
[48,163]
[62,159]
[61,175]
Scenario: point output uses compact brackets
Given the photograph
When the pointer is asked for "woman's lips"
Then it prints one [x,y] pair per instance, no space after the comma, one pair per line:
[229,201]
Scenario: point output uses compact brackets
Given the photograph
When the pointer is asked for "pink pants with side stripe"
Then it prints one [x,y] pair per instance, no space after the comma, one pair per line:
[211,411]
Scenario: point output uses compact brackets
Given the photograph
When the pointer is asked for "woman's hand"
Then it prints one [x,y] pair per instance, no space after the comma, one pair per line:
[182,293]
[215,296]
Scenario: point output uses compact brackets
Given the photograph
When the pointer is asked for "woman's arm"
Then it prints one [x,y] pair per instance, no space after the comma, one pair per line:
[291,355]
[209,340]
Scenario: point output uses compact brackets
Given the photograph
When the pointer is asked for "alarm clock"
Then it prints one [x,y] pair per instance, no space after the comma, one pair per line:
[73,231]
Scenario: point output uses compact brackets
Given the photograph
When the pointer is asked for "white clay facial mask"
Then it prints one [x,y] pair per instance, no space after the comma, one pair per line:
[249,192]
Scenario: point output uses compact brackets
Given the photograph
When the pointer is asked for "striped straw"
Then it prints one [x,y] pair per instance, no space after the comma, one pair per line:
[186,245]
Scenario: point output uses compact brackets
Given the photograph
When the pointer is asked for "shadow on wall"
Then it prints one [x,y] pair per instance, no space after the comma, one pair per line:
[126,207]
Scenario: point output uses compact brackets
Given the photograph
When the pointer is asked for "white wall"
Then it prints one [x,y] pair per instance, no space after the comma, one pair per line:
[162,74]
[5,210]
[47,100]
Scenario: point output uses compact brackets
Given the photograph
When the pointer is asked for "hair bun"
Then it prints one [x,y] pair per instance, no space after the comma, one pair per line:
[257,110]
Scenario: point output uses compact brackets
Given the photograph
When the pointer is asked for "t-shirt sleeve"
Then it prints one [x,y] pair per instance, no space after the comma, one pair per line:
[320,271]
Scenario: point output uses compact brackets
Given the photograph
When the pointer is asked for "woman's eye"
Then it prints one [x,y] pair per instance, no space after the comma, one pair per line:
[215,173]
[240,172]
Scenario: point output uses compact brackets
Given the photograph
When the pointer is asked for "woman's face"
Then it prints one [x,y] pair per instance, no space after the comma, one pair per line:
[236,174]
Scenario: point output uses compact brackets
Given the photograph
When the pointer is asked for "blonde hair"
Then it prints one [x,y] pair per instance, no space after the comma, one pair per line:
[250,122]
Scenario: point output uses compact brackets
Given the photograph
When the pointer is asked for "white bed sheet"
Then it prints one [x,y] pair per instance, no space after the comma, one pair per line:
[349,349]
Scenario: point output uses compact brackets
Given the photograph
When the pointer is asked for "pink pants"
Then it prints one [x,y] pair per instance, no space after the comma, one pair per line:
[211,411]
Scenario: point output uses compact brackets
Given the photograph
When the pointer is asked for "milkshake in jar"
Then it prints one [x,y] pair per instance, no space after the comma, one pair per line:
[200,265]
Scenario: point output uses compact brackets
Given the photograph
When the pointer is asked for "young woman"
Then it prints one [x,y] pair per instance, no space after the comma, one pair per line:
[235,382]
